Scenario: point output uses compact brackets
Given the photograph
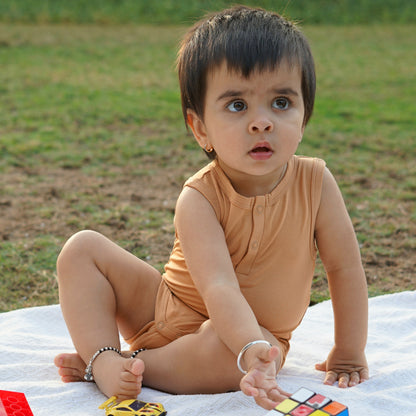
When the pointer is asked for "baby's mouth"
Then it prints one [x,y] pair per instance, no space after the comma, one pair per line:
[261,151]
[261,147]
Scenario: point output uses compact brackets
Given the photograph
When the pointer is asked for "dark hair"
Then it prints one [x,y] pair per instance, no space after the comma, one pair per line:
[246,39]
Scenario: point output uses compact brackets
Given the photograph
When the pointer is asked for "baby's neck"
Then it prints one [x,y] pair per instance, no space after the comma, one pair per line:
[251,186]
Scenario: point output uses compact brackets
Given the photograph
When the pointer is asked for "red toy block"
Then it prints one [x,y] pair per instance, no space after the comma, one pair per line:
[318,401]
[307,403]
[302,410]
[14,404]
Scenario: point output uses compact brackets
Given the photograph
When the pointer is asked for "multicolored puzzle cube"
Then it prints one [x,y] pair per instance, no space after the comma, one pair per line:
[307,403]
[14,404]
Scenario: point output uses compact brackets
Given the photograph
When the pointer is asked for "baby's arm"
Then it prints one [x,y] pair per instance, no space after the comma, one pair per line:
[339,251]
[207,257]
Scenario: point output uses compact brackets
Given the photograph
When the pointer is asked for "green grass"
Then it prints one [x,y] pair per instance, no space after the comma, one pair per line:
[27,269]
[70,87]
[185,11]
[91,129]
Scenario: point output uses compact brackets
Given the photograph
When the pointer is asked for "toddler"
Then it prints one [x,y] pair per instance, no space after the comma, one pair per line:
[248,227]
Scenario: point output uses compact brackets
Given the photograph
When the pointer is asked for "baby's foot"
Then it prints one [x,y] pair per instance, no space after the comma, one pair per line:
[113,374]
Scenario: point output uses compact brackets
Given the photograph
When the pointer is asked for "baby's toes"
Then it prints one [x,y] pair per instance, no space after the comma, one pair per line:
[131,378]
[69,375]
[137,367]
[70,367]
[133,368]
[128,390]
[72,360]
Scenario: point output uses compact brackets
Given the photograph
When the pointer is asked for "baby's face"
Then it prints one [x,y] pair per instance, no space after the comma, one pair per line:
[254,124]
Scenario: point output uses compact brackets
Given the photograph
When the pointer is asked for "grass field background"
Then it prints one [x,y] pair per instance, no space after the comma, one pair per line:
[186,11]
[91,136]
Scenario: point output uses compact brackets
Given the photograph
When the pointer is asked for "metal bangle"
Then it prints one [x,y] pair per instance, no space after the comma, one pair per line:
[245,348]
[88,371]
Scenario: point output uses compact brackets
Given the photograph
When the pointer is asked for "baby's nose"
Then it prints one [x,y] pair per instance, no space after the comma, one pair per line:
[260,124]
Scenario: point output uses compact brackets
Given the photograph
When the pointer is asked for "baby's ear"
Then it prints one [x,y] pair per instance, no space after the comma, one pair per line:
[190,119]
[198,128]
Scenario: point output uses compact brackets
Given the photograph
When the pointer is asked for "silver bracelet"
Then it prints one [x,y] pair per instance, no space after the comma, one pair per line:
[245,348]
[88,371]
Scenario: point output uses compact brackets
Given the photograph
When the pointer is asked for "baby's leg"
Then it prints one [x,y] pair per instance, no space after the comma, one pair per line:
[196,363]
[103,289]
[192,364]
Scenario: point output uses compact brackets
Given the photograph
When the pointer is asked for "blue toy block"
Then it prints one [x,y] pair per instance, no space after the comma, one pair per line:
[308,403]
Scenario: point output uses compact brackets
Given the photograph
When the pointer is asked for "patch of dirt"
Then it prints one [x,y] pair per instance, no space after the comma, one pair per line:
[66,201]
[63,201]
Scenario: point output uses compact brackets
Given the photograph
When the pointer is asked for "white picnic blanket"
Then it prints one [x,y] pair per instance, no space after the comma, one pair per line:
[30,338]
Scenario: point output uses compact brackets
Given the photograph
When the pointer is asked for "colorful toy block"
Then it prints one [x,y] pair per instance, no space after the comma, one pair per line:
[307,403]
[14,404]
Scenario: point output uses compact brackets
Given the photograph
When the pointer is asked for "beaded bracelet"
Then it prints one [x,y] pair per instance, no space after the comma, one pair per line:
[137,351]
[245,348]
[88,371]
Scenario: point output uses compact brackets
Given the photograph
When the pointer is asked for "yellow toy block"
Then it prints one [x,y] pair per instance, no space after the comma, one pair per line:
[286,406]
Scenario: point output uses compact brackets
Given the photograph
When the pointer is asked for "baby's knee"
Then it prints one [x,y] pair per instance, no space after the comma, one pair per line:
[78,246]
[209,334]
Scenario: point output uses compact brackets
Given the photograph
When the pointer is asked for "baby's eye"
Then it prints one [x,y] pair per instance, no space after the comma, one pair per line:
[281,103]
[237,106]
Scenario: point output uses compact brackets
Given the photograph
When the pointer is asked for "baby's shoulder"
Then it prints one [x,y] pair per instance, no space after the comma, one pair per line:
[204,174]
[308,162]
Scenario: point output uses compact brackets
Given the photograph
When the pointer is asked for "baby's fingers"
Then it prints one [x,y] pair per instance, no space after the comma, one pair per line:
[269,400]
[274,352]
[357,377]
[265,391]
[364,375]
[343,380]
[346,379]
[330,378]
[321,366]
[354,379]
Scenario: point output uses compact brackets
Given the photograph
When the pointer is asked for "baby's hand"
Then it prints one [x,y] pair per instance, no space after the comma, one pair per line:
[348,369]
[260,381]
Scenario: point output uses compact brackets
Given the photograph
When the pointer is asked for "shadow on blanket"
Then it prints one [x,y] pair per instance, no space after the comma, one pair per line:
[30,338]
